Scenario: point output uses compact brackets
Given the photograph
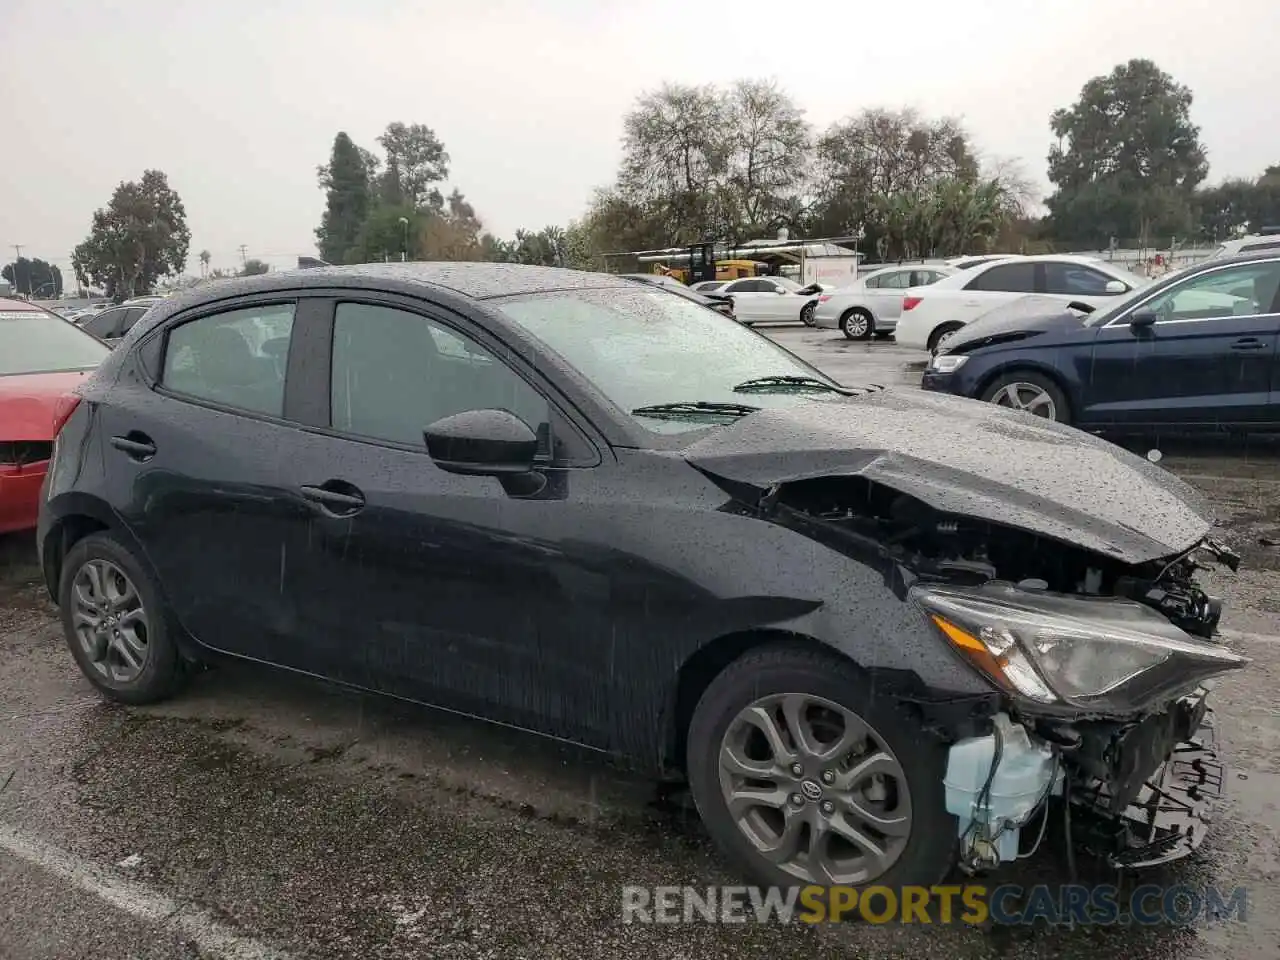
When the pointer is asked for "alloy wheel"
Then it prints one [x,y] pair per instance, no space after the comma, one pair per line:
[815,789]
[1026,396]
[110,620]
[855,325]
[806,314]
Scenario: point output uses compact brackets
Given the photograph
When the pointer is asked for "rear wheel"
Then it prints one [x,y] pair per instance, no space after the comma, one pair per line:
[804,774]
[1024,390]
[857,324]
[941,335]
[115,624]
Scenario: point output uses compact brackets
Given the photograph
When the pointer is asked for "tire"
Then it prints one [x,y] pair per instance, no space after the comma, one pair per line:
[161,671]
[857,324]
[940,333]
[1059,408]
[928,850]
[806,314]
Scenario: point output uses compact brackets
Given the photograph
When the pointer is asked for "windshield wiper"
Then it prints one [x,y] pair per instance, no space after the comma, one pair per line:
[784,380]
[695,408]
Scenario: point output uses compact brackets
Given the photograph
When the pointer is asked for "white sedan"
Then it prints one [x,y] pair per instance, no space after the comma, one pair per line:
[931,314]
[872,304]
[771,300]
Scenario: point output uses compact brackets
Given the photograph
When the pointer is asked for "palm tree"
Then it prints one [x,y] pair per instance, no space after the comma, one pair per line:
[205,257]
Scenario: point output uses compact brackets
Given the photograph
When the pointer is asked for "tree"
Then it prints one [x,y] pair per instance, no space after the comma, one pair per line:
[415,161]
[139,237]
[768,159]
[34,277]
[878,154]
[1239,205]
[253,267]
[205,257]
[1128,157]
[345,180]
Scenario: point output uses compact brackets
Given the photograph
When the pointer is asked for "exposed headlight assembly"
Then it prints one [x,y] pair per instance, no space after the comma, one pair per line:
[948,362]
[1098,653]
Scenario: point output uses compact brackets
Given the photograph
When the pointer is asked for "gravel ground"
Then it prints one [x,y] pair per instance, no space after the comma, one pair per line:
[263,815]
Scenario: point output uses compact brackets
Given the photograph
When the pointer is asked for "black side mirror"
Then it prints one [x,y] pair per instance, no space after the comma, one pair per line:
[482,443]
[1141,319]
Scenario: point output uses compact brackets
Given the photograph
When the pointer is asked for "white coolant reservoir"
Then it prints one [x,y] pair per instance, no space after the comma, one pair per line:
[989,829]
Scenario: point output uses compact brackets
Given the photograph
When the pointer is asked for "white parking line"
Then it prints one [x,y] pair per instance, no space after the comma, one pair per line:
[210,935]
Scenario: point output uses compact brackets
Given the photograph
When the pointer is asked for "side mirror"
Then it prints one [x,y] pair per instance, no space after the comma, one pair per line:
[482,443]
[1116,286]
[1141,319]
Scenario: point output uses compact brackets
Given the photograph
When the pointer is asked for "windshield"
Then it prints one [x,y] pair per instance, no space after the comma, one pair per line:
[642,348]
[33,341]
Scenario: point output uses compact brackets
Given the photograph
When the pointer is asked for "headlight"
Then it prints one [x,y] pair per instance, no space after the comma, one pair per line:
[1096,652]
[948,362]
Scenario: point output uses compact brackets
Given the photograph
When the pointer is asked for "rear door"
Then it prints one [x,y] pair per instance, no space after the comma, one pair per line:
[194,445]
[1208,359]
[749,299]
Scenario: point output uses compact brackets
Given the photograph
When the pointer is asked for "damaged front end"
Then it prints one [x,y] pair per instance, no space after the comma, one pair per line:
[1103,662]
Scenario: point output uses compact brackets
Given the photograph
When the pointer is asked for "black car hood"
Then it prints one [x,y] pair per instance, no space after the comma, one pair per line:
[1028,316]
[971,459]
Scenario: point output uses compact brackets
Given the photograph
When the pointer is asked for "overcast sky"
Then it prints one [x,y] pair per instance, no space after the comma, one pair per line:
[239,101]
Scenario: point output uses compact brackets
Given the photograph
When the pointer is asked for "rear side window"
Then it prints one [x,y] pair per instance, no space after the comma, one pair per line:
[236,358]
[1074,279]
[1006,278]
[105,324]
[131,317]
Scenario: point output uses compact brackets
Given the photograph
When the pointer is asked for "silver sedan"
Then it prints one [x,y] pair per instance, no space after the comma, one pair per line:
[873,304]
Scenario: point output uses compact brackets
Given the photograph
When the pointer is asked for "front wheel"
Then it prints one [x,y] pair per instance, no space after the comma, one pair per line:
[806,314]
[804,774]
[1024,390]
[857,324]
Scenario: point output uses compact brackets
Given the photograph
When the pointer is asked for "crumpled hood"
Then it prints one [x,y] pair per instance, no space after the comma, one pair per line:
[972,459]
[1028,315]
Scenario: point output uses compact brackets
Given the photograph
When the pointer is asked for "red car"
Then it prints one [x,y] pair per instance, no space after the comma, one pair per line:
[43,358]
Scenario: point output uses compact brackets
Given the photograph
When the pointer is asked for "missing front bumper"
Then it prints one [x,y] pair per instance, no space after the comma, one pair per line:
[1170,814]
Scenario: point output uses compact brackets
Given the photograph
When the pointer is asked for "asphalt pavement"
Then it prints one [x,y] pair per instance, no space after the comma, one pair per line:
[264,815]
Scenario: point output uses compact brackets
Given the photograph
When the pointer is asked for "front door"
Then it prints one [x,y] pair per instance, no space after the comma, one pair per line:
[443,585]
[1207,358]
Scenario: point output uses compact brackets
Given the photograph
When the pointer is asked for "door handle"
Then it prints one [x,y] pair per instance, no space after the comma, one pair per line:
[137,445]
[342,502]
[1248,343]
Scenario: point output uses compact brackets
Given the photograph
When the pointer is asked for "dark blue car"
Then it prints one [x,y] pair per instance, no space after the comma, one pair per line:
[1194,350]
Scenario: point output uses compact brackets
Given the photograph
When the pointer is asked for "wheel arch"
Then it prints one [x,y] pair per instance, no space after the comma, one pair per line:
[946,718]
[1030,366]
[939,329]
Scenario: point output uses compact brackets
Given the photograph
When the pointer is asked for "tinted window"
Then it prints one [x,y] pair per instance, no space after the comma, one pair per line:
[32,341]
[1006,277]
[133,315]
[748,286]
[105,324]
[236,358]
[395,373]
[1074,279]
[1237,291]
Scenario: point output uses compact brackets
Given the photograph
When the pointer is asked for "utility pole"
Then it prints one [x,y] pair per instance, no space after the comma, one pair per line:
[17,255]
[243,252]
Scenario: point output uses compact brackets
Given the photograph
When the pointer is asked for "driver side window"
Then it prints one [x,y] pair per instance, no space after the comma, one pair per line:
[394,373]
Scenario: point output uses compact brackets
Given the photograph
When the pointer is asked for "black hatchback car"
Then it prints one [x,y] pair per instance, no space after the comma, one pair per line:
[871,628]
[1199,349]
